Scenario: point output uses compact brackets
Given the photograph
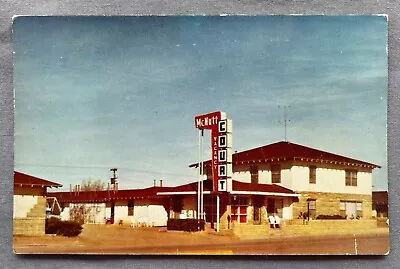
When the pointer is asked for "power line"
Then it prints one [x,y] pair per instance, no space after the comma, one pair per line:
[105,167]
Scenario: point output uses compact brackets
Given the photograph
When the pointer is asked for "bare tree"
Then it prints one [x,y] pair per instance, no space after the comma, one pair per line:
[93,185]
[83,213]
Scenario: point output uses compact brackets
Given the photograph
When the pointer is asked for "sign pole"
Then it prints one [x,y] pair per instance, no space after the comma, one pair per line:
[201,175]
[217,212]
[198,182]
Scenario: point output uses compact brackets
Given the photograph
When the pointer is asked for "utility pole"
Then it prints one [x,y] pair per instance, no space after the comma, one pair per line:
[114,178]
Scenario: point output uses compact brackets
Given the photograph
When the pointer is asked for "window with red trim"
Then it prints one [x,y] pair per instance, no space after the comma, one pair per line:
[239,209]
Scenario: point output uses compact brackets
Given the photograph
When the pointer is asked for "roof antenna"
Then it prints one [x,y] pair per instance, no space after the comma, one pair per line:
[285,120]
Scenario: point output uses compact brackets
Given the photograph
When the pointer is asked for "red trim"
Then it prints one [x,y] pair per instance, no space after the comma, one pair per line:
[108,195]
[105,196]
[28,180]
[283,150]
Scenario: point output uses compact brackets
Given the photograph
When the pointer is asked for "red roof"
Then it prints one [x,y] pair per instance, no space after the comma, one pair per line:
[107,195]
[236,186]
[102,196]
[283,151]
[27,180]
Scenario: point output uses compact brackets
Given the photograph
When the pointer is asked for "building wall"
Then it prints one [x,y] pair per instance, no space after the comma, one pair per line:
[329,203]
[31,223]
[121,212]
[296,177]
[264,176]
[29,214]
[96,213]
[329,180]
[23,204]
[243,176]
[287,210]
[242,173]
[146,212]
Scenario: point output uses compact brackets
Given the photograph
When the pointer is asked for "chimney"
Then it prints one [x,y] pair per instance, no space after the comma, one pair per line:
[160,182]
[154,182]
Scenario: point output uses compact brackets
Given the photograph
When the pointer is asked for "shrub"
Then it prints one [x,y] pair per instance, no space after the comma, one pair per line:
[330,217]
[188,225]
[65,228]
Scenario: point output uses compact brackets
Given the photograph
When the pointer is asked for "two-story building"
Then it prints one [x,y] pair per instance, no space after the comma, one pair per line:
[322,183]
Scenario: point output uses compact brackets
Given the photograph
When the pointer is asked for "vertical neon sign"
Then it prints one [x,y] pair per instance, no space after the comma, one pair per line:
[221,147]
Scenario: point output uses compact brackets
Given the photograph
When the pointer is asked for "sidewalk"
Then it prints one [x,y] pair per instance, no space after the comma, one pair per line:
[313,228]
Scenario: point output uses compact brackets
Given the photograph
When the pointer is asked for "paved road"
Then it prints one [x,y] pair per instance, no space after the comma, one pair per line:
[370,244]
[336,245]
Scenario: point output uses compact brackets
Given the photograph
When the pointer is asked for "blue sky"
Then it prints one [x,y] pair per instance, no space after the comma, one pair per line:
[93,93]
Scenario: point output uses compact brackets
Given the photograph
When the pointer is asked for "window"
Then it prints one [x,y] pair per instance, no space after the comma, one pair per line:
[351,178]
[313,174]
[254,174]
[351,209]
[239,209]
[276,173]
[131,205]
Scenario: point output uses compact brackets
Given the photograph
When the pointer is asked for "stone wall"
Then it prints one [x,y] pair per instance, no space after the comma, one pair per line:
[34,222]
[329,203]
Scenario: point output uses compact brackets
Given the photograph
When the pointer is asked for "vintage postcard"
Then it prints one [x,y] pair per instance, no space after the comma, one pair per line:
[206,135]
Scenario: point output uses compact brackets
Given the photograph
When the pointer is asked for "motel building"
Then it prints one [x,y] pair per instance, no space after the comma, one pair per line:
[283,178]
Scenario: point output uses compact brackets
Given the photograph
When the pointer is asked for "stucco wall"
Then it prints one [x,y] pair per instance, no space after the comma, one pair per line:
[287,210]
[241,176]
[121,211]
[242,173]
[145,212]
[23,204]
[286,178]
[30,221]
[329,180]
[296,177]
[264,176]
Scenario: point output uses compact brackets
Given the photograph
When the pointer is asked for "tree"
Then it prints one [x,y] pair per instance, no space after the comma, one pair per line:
[92,185]
[84,213]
